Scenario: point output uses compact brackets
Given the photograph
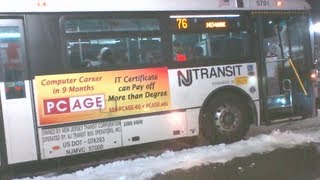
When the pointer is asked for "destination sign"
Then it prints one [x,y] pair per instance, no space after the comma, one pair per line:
[185,23]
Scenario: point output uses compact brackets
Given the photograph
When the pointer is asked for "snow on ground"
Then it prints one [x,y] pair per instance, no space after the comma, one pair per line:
[145,168]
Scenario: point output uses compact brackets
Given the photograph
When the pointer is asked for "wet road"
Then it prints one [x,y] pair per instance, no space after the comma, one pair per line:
[299,163]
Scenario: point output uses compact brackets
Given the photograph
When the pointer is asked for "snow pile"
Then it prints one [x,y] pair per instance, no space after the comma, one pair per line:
[145,168]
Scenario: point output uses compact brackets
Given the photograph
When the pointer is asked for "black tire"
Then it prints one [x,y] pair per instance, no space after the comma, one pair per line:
[225,118]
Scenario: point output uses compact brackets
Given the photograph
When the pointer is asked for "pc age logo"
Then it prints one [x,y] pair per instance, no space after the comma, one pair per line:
[73,104]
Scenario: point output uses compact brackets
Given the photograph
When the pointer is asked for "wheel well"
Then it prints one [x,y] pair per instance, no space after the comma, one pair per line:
[232,90]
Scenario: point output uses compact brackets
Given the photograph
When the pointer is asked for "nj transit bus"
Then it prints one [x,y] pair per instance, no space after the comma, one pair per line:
[77,77]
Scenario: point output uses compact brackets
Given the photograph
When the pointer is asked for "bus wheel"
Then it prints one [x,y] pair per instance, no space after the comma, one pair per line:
[225,119]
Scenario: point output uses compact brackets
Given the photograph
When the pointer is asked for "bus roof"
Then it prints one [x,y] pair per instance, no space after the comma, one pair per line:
[16,6]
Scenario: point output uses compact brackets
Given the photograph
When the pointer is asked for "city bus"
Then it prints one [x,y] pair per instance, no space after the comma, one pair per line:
[80,77]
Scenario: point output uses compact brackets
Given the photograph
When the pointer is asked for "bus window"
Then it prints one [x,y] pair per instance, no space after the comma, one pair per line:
[210,36]
[11,54]
[285,37]
[298,40]
[128,42]
[230,45]
[195,46]
[12,58]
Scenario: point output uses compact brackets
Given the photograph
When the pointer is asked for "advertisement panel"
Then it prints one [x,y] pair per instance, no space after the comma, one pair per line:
[67,98]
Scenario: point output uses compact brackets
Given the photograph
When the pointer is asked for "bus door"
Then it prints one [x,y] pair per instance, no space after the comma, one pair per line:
[287,93]
[17,126]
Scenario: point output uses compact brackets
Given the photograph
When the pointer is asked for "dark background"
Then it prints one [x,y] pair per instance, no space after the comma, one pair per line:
[315,5]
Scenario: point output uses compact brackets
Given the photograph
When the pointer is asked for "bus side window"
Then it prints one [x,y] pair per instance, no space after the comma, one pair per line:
[129,40]
[190,47]
[12,58]
[151,50]
[229,46]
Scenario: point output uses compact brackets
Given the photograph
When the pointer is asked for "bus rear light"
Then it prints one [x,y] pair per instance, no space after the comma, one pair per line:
[279,3]
[314,75]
